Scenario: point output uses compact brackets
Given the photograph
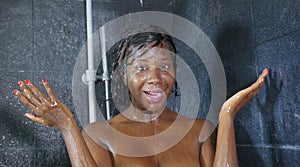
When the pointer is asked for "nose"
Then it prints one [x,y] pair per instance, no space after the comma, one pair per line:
[155,76]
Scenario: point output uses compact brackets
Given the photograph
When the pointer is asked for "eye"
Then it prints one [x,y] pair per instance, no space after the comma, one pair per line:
[164,67]
[141,68]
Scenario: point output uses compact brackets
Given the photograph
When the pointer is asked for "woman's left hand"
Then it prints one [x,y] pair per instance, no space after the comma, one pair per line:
[240,99]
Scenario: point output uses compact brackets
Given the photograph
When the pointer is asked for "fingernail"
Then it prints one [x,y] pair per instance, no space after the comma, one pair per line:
[26,115]
[16,91]
[267,70]
[27,82]
[20,83]
[263,80]
[44,81]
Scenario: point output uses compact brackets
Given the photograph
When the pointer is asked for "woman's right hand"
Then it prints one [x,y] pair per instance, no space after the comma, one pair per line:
[49,111]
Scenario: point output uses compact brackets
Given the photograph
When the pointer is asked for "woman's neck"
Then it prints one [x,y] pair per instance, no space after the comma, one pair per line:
[136,114]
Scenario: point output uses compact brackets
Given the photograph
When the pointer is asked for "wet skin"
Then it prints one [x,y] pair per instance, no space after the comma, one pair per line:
[150,80]
[146,116]
[150,75]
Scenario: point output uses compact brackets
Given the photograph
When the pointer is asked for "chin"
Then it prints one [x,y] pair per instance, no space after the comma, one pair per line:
[156,107]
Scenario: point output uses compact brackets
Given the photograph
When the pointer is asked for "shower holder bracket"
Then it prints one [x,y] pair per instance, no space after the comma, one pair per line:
[105,76]
[94,77]
[89,75]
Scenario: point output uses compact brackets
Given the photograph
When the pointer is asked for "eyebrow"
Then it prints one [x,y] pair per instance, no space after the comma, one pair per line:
[162,58]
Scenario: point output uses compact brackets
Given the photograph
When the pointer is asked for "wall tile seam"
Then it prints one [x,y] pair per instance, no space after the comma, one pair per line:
[20,148]
[62,71]
[139,2]
[277,37]
[287,147]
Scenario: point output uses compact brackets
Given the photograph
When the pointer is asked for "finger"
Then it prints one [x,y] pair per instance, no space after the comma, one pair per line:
[36,119]
[265,73]
[38,93]
[252,90]
[249,93]
[28,94]
[50,92]
[256,86]
[27,102]
[241,99]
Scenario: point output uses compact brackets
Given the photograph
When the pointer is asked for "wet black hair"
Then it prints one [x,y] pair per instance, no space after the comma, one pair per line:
[127,46]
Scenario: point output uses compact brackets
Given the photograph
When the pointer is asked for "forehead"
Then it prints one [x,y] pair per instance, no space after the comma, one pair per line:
[154,53]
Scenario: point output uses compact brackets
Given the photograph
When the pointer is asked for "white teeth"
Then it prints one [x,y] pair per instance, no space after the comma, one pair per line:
[154,94]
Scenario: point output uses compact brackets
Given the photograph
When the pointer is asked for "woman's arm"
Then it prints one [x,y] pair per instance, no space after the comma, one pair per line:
[98,149]
[226,154]
[50,111]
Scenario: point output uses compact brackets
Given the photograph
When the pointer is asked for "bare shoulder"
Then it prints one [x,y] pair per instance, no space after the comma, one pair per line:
[101,131]
[94,132]
[205,129]
[203,122]
[93,127]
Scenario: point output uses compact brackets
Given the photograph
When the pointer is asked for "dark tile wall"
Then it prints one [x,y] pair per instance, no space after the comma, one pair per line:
[42,39]
[38,40]
[249,36]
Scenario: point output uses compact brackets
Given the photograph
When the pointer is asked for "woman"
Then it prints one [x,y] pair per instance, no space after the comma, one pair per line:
[145,64]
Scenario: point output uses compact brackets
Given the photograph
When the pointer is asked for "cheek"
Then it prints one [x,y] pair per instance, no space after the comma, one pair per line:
[136,81]
[169,77]
[171,83]
[170,80]
[137,78]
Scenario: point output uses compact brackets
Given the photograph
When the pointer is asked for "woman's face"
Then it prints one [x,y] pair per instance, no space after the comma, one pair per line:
[150,78]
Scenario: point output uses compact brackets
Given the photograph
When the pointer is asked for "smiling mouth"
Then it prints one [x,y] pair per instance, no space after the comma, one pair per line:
[154,96]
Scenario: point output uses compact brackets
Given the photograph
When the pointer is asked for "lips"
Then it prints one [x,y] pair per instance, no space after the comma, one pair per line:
[154,96]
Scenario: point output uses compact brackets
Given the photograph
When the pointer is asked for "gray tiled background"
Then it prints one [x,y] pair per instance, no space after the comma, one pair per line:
[42,39]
